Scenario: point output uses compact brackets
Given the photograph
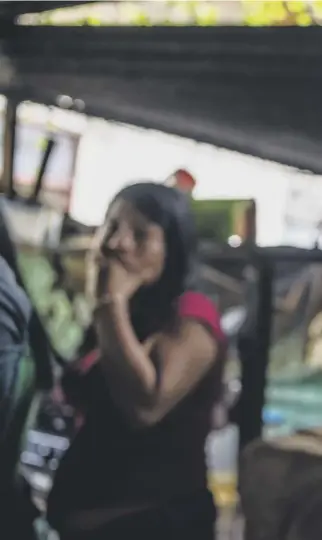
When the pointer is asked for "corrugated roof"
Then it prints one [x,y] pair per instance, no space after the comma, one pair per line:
[11,9]
[255,90]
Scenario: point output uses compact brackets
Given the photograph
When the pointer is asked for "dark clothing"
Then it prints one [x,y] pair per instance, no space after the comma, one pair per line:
[186,518]
[15,311]
[18,511]
[114,466]
[156,475]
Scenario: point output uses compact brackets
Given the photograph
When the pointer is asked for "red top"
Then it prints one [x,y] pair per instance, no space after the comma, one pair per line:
[198,306]
[112,466]
[191,304]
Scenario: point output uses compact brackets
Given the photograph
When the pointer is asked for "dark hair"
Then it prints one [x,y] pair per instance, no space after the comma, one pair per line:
[152,307]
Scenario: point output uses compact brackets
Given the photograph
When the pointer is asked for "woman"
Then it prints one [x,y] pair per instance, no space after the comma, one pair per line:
[137,465]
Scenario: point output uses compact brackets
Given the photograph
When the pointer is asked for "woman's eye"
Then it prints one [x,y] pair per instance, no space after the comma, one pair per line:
[112,228]
[139,235]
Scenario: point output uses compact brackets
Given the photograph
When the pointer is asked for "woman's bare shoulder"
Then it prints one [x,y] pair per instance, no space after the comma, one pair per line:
[190,340]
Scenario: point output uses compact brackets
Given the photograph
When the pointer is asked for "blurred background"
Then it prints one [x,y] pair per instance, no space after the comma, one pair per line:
[249,137]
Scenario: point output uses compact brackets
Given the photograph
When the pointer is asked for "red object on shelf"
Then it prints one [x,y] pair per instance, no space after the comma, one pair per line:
[182,180]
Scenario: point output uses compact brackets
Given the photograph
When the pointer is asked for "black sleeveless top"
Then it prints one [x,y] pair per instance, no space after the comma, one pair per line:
[114,466]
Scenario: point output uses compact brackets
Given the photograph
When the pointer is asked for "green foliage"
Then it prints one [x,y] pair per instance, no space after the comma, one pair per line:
[279,13]
[135,13]
[55,309]
[205,14]
[181,13]
[217,219]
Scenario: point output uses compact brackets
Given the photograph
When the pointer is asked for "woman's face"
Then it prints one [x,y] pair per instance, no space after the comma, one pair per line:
[138,243]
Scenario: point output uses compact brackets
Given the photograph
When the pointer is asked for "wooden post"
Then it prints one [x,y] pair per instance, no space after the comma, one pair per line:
[250,223]
[7,180]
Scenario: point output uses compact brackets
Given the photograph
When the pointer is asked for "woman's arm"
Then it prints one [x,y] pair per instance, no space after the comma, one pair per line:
[144,392]
[124,359]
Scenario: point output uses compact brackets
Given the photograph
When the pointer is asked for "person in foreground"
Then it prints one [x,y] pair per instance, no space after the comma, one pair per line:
[137,468]
[17,509]
[15,312]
